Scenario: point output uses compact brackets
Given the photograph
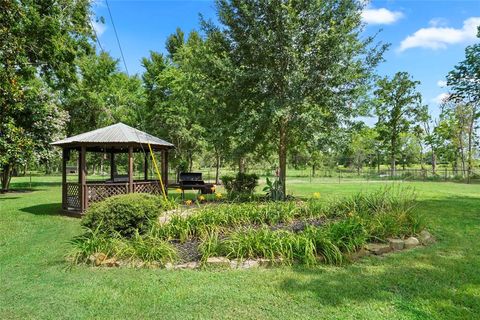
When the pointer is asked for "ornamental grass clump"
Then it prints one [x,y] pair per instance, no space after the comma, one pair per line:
[350,224]
[228,216]
[136,248]
[329,243]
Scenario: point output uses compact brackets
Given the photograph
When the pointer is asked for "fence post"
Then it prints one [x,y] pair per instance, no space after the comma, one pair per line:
[445,174]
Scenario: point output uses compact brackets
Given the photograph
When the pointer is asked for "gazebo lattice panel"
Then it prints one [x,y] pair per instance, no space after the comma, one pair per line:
[99,192]
[147,187]
[73,195]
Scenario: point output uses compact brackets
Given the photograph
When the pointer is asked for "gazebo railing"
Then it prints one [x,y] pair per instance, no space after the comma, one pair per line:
[98,191]
[95,192]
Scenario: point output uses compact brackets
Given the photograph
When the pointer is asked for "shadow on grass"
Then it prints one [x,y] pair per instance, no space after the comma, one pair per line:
[440,281]
[45,209]
[7,197]
[35,185]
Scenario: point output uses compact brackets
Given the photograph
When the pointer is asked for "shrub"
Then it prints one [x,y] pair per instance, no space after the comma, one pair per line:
[241,186]
[124,214]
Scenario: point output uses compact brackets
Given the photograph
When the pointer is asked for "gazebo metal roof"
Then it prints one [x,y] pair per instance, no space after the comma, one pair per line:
[117,134]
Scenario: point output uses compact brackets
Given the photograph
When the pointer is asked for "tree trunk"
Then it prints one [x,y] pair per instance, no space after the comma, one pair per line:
[462,157]
[470,140]
[190,162]
[282,155]
[421,157]
[6,176]
[393,165]
[434,161]
[378,162]
[101,165]
[241,165]
[313,170]
[217,167]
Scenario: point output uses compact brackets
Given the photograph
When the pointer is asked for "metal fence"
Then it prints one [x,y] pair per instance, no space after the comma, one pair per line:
[440,174]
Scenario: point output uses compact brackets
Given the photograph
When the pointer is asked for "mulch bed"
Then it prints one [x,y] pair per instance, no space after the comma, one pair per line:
[188,250]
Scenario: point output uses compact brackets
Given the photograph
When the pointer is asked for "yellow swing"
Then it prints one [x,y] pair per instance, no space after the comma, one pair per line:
[158,171]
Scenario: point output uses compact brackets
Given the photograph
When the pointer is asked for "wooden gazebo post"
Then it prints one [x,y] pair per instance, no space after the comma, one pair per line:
[112,165]
[165,168]
[130,169]
[145,167]
[82,173]
[64,177]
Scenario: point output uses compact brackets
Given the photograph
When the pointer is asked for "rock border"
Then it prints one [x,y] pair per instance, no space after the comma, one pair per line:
[377,249]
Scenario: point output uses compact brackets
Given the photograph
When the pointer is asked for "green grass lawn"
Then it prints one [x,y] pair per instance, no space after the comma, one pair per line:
[441,281]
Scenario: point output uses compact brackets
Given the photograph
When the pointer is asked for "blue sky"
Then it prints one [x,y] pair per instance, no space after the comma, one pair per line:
[427,37]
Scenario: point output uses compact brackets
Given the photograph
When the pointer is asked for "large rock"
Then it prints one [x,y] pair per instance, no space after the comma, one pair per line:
[358,254]
[378,248]
[425,237]
[264,262]
[411,242]
[112,262]
[97,258]
[218,262]
[396,244]
[188,265]
[245,264]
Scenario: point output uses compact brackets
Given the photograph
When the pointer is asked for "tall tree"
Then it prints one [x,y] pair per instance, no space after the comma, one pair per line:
[302,64]
[426,132]
[38,38]
[464,81]
[396,103]
[363,147]
[171,109]
[103,95]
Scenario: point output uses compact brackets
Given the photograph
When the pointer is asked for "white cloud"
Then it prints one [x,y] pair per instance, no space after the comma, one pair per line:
[380,16]
[441,37]
[438,22]
[99,27]
[440,98]
[441,83]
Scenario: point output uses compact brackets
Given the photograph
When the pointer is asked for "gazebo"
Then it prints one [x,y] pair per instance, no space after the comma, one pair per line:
[112,140]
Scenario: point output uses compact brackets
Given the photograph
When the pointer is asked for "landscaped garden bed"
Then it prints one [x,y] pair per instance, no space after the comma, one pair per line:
[141,230]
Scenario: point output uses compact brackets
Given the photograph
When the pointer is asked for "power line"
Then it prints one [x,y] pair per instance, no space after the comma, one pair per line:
[140,113]
[96,36]
[116,36]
